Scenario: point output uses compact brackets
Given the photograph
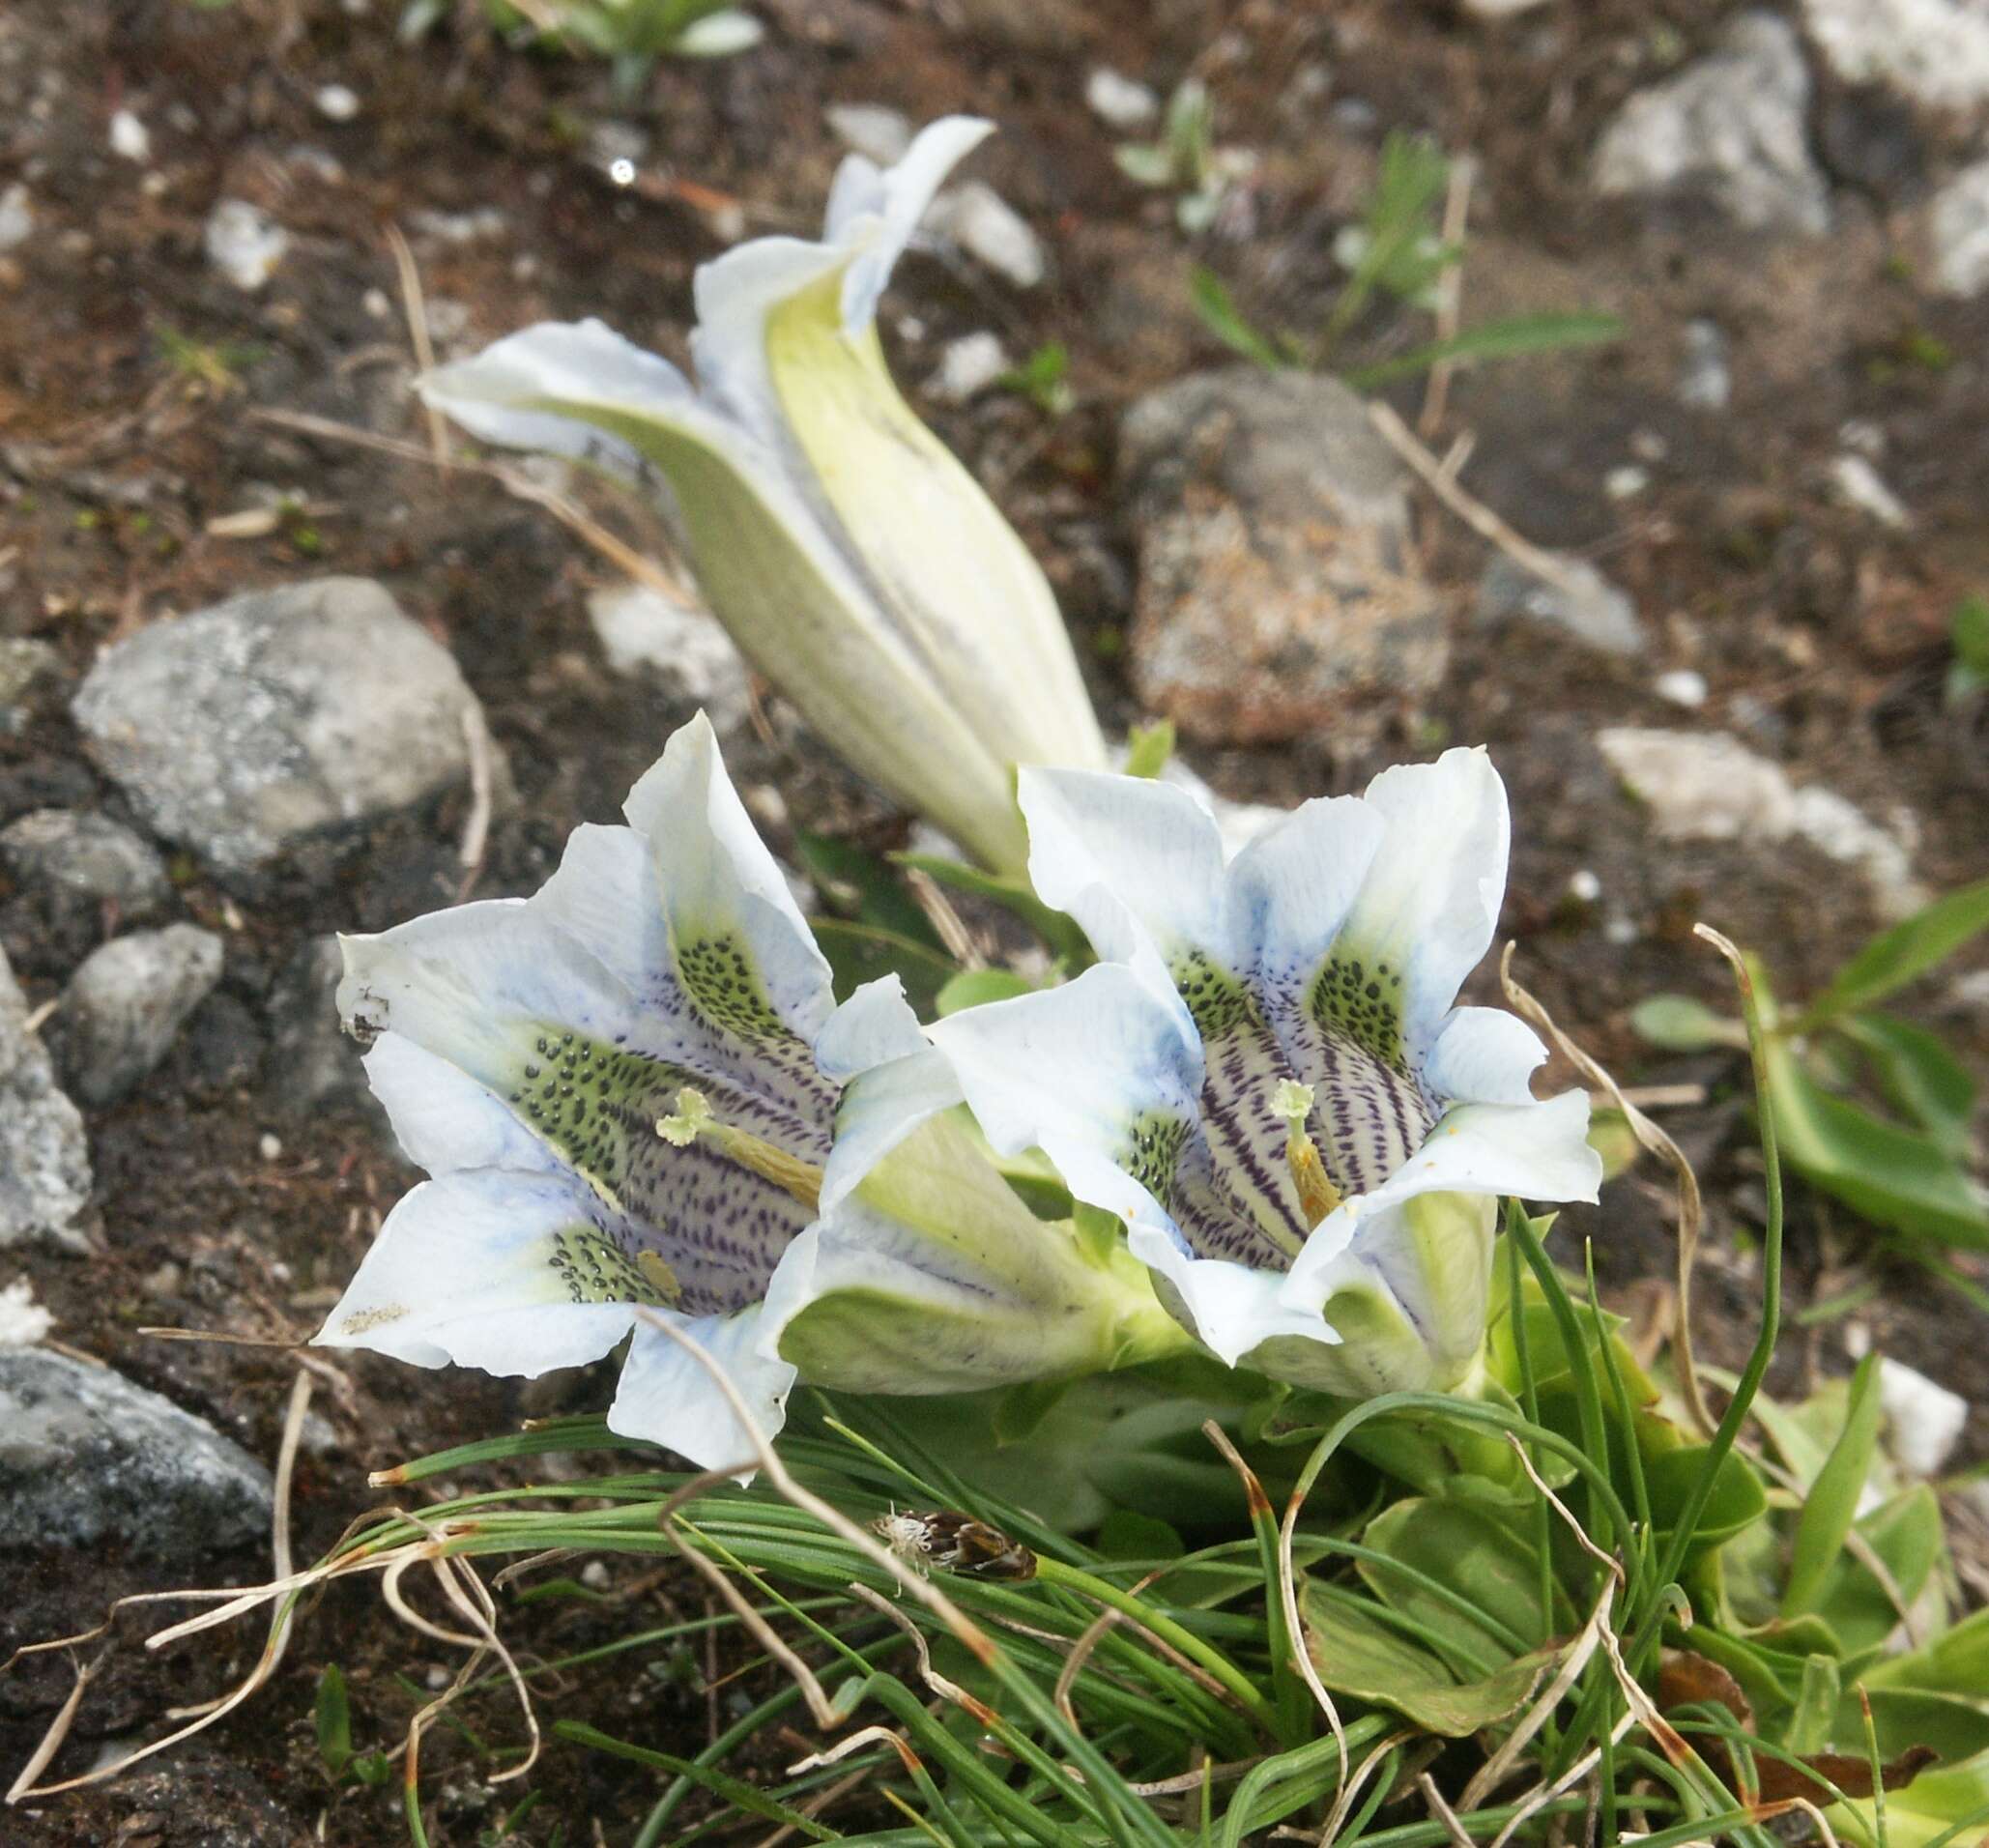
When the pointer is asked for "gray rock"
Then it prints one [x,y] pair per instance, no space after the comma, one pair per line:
[25,667]
[313,1063]
[267,731]
[682,647]
[1731,127]
[16,218]
[1958,228]
[1933,52]
[87,858]
[124,1007]
[1276,591]
[44,1156]
[1580,602]
[871,129]
[86,1457]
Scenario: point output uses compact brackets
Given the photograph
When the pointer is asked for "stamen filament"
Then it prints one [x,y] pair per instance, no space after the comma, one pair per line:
[754,1153]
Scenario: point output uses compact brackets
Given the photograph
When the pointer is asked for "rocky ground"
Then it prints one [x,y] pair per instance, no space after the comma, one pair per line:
[263,679]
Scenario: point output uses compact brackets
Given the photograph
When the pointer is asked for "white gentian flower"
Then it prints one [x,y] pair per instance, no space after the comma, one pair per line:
[627,1090]
[853,557]
[1267,1079]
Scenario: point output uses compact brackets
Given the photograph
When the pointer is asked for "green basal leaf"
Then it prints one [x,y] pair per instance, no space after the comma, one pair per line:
[1956,1727]
[1894,1177]
[1013,895]
[1019,1411]
[1128,1535]
[859,887]
[1681,1024]
[976,987]
[1895,957]
[1831,1505]
[334,1720]
[1737,1502]
[1356,1653]
[1919,1077]
[1905,1533]
[1816,1705]
[1948,1806]
[859,953]
[1470,1549]
[1956,1662]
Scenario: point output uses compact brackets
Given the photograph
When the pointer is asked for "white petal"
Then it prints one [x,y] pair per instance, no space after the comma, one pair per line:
[517,392]
[464,1270]
[1231,1307]
[668,1396]
[443,1118]
[898,199]
[874,1026]
[604,895]
[1485,1055]
[1429,904]
[1138,862]
[720,885]
[1290,891]
[878,1110]
[1077,1071]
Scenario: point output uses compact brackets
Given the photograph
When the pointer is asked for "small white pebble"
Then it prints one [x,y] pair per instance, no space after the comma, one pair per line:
[1621,483]
[910,329]
[1926,1418]
[1649,446]
[1119,100]
[1864,436]
[336,102]
[438,1677]
[129,139]
[594,1576]
[269,1148]
[1858,485]
[1682,686]
[23,1321]
[968,367]
[1584,885]
[1620,931]
[376,304]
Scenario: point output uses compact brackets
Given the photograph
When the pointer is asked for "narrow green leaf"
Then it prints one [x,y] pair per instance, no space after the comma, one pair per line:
[1895,957]
[1681,1024]
[1223,318]
[1921,1077]
[333,1718]
[1896,1178]
[1831,1505]
[735,1791]
[1511,339]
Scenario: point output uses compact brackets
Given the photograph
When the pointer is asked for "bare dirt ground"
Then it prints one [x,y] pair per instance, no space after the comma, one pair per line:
[130,379]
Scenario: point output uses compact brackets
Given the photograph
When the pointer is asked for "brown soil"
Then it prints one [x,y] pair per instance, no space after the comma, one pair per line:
[1813,627]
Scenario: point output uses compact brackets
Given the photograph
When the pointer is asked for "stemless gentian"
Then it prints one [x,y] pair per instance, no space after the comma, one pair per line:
[1267,1079]
[852,556]
[638,1098]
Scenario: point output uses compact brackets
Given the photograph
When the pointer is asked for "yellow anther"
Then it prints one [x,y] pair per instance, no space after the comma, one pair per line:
[660,1277]
[1317,1196]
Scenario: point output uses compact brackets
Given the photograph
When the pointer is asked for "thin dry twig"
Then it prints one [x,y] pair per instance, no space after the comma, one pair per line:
[1450,292]
[414,305]
[1446,1817]
[477,824]
[1474,513]
[1081,1652]
[1692,1211]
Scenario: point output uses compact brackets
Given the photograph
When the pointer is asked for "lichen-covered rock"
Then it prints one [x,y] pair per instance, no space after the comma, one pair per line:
[44,1156]
[89,859]
[126,1002]
[267,731]
[1277,597]
[86,1457]
[1731,127]
[1933,52]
